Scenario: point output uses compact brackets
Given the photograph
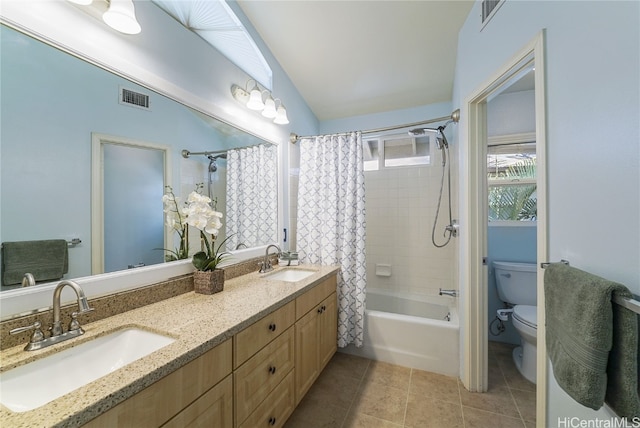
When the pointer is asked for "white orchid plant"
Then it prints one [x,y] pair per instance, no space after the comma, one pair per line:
[196,211]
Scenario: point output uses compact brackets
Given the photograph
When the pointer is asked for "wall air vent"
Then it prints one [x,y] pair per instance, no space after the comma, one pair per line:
[489,8]
[132,98]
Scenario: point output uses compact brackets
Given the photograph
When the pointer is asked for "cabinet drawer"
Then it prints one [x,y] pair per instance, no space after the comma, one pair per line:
[255,337]
[213,409]
[159,402]
[276,409]
[313,297]
[256,378]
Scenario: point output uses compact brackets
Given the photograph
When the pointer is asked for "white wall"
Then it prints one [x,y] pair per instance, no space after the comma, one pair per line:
[592,68]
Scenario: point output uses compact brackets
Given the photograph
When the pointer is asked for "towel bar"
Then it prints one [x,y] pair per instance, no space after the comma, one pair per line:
[631,304]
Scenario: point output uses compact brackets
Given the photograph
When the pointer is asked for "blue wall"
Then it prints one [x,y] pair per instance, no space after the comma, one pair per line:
[592,64]
[507,244]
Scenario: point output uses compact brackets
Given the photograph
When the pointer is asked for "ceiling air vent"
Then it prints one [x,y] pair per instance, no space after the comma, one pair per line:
[489,8]
[134,99]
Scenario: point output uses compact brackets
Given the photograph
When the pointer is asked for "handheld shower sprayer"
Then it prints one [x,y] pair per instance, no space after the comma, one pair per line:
[443,145]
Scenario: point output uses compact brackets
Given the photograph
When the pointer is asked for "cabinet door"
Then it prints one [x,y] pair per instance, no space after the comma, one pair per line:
[213,409]
[328,330]
[276,409]
[159,402]
[255,379]
[307,363]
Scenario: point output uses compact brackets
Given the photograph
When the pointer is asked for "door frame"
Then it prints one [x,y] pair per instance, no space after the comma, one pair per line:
[97,191]
[473,249]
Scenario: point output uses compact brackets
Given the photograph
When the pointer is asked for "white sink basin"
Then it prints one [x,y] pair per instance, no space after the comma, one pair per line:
[290,275]
[32,385]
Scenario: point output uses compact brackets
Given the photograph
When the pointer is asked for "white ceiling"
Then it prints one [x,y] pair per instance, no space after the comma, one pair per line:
[349,58]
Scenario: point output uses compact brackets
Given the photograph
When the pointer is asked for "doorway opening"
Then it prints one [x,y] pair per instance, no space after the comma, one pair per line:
[474,277]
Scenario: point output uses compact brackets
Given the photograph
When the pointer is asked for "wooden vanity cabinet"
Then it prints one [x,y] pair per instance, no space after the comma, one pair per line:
[316,332]
[200,391]
[254,380]
[263,375]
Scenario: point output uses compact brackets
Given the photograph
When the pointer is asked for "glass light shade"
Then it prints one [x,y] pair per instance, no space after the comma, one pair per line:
[82,2]
[269,108]
[121,16]
[281,116]
[255,99]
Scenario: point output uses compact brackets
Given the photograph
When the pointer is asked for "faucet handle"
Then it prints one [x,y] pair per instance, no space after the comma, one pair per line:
[74,324]
[37,335]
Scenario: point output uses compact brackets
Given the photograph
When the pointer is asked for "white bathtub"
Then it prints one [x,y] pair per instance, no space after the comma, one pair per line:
[411,330]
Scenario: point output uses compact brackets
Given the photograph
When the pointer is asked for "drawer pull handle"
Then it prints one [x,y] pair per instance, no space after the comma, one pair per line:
[272,327]
[272,420]
[272,369]
[320,310]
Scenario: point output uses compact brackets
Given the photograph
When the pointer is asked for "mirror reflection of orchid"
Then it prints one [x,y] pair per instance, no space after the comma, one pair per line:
[196,211]
[176,220]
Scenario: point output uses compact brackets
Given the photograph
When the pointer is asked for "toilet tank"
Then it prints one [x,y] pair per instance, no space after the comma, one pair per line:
[516,282]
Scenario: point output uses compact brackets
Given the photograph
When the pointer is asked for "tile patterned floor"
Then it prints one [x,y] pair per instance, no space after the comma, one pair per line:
[354,392]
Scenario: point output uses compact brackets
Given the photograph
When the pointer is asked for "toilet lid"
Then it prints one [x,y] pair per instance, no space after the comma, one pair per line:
[526,314]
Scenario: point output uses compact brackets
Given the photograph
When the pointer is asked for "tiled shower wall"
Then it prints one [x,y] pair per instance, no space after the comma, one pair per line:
[401,205]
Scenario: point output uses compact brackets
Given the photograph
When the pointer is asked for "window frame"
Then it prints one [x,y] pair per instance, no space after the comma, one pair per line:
[499,140]
[381,139]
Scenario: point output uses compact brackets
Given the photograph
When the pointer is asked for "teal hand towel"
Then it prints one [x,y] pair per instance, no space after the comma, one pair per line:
[46,260]
[591,341]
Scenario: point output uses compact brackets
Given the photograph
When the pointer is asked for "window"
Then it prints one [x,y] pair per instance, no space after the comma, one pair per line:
[396,151]
[511,177]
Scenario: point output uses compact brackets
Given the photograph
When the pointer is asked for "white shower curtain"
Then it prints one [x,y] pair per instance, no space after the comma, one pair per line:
[252,196]
[331,221]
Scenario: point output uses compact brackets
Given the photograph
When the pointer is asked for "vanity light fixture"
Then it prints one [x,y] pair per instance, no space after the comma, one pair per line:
[253,100]
[121,16]
[281,115]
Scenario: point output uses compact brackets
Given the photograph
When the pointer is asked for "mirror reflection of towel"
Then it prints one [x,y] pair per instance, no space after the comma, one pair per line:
[46,260]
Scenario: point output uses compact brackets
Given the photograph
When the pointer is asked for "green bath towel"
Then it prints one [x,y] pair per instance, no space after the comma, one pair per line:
[592,342]
[46,260]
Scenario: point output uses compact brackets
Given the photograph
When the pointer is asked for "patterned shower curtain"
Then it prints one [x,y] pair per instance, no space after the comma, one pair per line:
[331,221]
[252,196]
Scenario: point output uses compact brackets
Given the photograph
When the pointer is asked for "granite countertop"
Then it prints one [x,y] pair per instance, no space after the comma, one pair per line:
[198,323]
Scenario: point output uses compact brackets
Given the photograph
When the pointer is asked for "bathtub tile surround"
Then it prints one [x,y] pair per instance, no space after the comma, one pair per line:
[355,392]
[400,209]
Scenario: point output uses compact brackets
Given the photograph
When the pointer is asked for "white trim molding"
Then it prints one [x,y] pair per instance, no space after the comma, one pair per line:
[473,199]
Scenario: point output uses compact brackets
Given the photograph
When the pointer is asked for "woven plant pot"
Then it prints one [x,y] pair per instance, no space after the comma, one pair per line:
[209,282]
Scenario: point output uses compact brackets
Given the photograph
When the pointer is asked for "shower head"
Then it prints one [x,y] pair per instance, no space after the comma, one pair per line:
[417,132]
[441,140]
[212,163]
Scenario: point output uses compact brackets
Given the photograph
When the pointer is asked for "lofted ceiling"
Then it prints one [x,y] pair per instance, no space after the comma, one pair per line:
[349,58]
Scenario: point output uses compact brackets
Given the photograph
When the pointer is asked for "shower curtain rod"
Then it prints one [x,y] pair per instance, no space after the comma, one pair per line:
[186,153]
[454,117]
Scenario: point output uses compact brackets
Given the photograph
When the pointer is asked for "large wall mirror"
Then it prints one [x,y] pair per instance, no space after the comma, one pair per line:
[53,105]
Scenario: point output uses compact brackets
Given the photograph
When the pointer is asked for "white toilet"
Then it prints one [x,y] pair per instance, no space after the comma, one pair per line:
[517,286]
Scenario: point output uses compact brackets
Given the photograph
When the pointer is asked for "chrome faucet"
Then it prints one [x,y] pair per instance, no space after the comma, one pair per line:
[37,340]
[452,293]
[265,266]
[83,306]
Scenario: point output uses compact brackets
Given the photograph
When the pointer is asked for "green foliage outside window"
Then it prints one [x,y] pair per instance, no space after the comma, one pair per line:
[513,201]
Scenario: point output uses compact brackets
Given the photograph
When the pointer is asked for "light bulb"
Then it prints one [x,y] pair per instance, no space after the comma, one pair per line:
[121,16]
[281,116]
[255,99]
[269,108]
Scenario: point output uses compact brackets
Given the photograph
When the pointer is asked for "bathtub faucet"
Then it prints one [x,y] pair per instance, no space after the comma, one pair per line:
[452,293]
